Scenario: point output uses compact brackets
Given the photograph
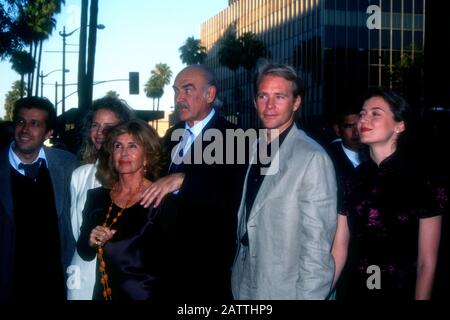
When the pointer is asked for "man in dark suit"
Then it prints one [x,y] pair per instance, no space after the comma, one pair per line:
[36,241]
[206,192]
[346,152]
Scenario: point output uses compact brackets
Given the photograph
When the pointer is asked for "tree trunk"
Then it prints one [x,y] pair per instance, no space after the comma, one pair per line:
[38,68]
[22,82]
[92,42]
[32,73]
[29,88]
[82,59]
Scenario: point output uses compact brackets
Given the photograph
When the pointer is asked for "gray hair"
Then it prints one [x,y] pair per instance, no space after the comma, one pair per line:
[210,76]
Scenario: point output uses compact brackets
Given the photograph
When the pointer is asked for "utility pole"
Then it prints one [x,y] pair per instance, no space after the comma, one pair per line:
[56,97]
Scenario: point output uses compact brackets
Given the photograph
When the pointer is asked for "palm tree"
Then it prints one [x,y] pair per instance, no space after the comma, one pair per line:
[23,63]
[112,94]
[153,90]
[192,52]
[252,50]
[35,23]
[230,54]
[86,56]
[230,51]
[9,42]
[160,77]
[81,80]
[48,10]
[11,97]
[92,43]
[406,77]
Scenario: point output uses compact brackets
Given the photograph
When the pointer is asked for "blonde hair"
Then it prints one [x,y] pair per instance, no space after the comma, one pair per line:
[120,108]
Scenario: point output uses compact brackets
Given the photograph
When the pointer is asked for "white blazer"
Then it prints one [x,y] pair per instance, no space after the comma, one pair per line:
[81,274]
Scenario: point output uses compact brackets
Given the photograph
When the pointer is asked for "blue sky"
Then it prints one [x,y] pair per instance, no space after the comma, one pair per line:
[138,35]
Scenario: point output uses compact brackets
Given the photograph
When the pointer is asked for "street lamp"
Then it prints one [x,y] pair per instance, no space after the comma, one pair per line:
[64,35]
[42,76]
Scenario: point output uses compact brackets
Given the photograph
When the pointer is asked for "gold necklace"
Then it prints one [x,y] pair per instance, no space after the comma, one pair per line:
[104,279]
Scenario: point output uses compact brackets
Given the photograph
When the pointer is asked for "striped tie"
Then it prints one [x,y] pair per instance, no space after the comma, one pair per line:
[177,158]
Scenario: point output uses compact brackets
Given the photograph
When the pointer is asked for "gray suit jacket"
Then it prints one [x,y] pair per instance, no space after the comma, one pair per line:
[60,165]
[291,227]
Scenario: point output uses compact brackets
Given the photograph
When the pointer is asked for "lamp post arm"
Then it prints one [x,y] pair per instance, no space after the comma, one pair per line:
[43,76]
[95,83]
[64,34]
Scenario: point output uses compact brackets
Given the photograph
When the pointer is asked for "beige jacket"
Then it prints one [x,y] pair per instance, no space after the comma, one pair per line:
[291,227]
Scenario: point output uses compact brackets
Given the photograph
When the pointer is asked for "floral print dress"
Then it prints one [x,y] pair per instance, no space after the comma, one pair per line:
[383,205]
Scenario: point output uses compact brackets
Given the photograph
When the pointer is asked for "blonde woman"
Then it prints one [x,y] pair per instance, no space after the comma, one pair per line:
[105,113]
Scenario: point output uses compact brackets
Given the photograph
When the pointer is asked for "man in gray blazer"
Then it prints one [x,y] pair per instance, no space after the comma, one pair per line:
[36,241]
[287,216]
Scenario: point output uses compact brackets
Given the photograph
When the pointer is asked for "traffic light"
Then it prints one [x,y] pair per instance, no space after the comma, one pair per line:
[134,82]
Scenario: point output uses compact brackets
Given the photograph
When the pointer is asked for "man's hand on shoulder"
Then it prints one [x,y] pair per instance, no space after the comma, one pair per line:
[160,188]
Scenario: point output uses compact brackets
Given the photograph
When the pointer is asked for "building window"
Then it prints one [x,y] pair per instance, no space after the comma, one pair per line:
[418,6]
[407,40]
[407,6]
[418,40]
[396,40]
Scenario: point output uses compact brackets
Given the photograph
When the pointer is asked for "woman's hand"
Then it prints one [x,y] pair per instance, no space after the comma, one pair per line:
[100,235]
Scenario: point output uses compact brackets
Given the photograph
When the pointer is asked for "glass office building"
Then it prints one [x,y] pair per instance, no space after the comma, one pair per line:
[340,47]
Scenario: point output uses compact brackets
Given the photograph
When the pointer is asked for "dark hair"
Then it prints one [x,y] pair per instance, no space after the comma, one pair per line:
[119,107]
[40,103]
[339,116]
[145,135]
[281,70]
[402,112]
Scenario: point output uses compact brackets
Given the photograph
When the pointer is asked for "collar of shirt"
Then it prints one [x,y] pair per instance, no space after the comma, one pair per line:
[280,139]
[14,160]
[353,156]
[197,128]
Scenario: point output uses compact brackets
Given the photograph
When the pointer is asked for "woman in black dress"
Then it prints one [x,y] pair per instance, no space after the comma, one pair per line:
[125,237]
[391,212]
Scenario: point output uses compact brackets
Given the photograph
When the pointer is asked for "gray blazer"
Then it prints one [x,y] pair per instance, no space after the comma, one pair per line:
[291,227]
[60,165]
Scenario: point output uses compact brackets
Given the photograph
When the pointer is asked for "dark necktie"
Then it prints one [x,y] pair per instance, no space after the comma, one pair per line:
[31,169]
[182,148]
[183,142]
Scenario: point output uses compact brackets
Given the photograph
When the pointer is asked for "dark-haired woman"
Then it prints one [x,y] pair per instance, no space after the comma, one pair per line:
[391,217]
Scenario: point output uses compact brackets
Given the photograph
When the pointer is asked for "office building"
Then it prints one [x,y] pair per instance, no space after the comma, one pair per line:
[340,47]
